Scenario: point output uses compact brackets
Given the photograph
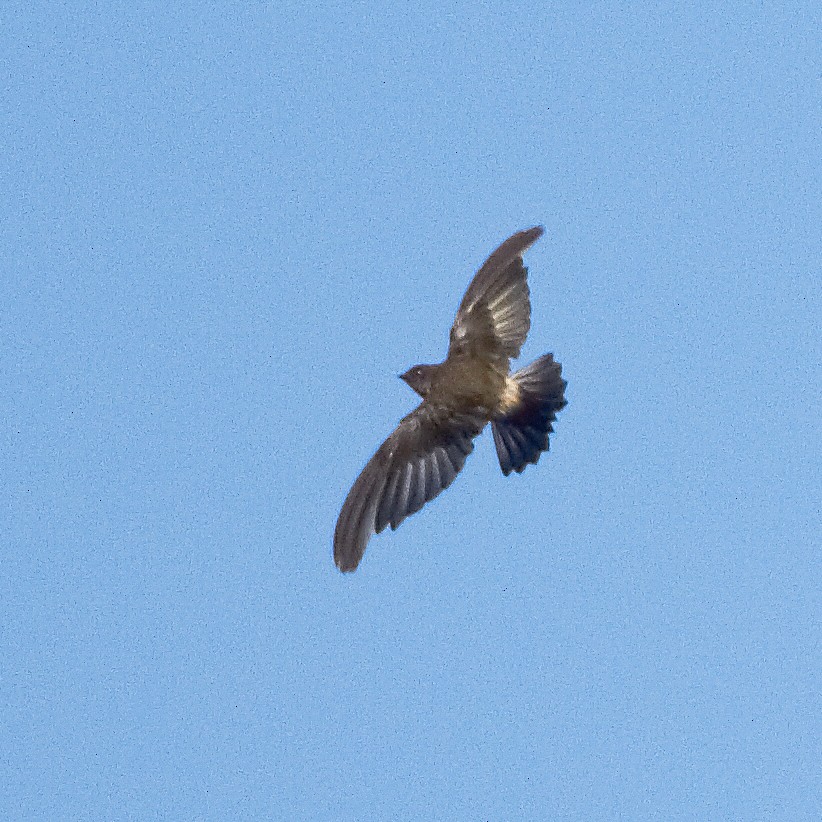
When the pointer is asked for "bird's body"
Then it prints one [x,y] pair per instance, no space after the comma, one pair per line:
[461,395]
[464,381]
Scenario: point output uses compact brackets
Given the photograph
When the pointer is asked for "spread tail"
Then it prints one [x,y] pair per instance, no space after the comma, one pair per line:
[521,434]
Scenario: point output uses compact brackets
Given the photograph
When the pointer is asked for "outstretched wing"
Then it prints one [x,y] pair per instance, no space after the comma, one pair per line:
[418,461]
[495,314]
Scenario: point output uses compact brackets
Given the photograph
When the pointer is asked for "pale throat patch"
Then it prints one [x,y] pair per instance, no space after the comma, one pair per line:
[511,394]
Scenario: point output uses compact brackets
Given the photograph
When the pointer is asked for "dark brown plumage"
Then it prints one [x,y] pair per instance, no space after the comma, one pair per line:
[460,396]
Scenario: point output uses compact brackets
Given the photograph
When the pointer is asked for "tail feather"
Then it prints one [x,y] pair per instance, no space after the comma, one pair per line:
[521,434]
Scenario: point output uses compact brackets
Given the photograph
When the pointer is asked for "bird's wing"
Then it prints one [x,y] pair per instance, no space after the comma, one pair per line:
[495,314]
[420,459]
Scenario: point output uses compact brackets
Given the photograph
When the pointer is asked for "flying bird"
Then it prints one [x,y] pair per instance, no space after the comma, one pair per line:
[472,387]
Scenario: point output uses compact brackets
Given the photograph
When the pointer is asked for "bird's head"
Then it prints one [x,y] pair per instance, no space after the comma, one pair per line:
[420,378]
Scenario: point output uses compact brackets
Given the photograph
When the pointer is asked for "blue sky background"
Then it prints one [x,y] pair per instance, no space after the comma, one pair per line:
[225,229]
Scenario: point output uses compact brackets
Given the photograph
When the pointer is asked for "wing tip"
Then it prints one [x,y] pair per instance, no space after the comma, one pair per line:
[524,239]
[346,557]
[344,567]
[517,244]
[532,234]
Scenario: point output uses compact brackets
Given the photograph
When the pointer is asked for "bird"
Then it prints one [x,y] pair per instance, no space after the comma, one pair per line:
[460,396]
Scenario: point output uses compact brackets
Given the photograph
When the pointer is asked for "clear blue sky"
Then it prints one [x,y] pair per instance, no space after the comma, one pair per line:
[225,229]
